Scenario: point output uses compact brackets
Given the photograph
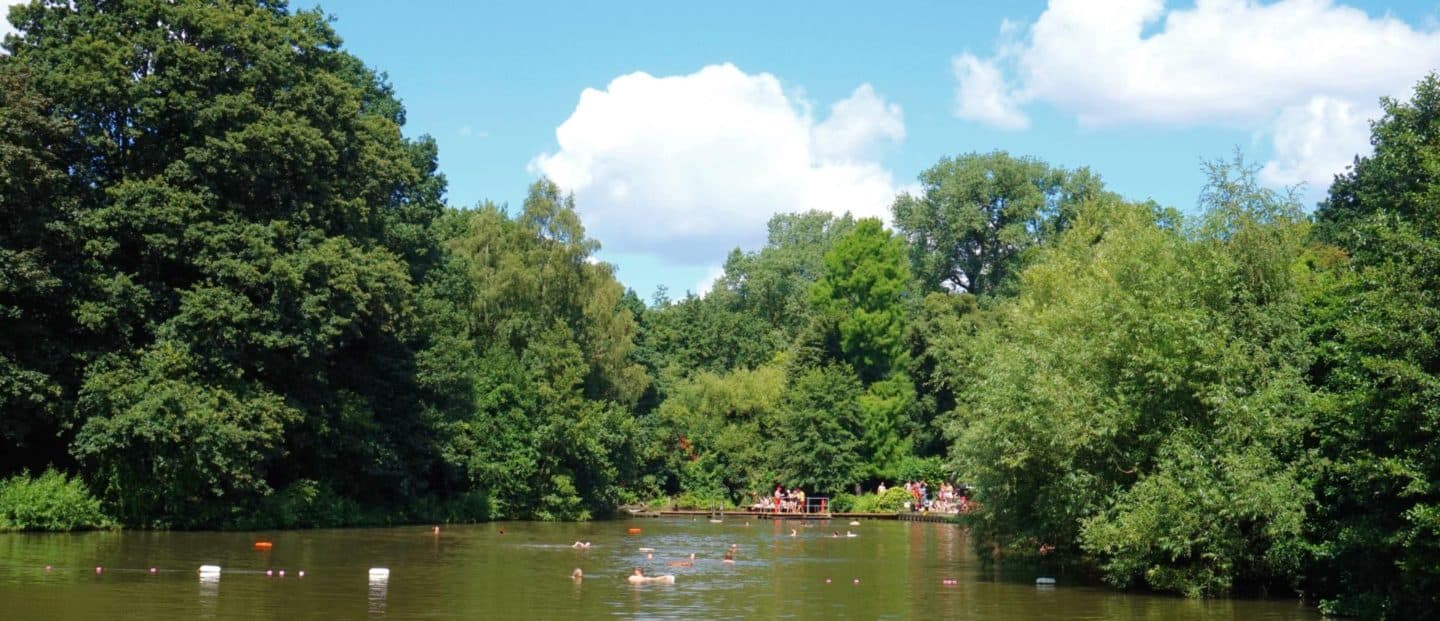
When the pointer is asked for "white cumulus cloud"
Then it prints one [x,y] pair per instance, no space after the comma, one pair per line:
[1305,73]
[857,125]
[1316,140]
[982,94]
[687,167]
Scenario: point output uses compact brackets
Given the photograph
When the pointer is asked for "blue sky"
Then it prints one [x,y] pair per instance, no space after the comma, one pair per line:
[745,108]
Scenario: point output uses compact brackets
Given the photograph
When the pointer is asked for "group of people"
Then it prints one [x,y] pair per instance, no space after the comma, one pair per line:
[948,499]
[781,501]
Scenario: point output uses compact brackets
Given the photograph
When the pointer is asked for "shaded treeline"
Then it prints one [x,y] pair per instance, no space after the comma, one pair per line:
[232,295]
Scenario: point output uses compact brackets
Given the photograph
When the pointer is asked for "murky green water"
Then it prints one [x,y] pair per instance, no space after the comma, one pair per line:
[474,572]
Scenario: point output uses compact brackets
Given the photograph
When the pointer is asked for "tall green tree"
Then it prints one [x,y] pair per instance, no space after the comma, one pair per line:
[864,291]
[35,257]
[818,431]
[1378,521]
[239,198]
[547,342]
[864,285]
[978,214]
[716,431]
[1143,398]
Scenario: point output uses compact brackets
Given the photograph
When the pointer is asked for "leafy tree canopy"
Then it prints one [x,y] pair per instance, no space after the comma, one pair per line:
[977,214]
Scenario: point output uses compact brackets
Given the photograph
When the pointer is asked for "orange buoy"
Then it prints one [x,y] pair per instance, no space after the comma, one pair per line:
[632,531]
[263,545]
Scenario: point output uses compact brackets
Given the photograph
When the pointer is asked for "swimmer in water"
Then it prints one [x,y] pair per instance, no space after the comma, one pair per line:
[793,533]
[729,554]
[577,575]
[689,563]
[639,577]
[850,534]
[835,533]
[580,544]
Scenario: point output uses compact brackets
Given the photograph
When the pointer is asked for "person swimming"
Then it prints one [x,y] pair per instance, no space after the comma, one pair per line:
[793,532]
[835,533]
[580,544]
[729,555]
[639,577]
[850,534]
[577,575]
[689,563]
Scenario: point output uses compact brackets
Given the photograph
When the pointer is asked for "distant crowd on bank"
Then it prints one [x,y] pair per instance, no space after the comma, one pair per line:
[947,498]
[784,500]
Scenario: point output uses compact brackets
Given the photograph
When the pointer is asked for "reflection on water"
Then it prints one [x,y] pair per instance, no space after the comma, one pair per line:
[376,597]
[209,594]
[893,570]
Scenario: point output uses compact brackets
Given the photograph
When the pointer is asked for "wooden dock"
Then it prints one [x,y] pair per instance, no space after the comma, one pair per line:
[747,514]
[937,518]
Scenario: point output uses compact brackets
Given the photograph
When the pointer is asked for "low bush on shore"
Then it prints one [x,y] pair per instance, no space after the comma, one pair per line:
[51,502]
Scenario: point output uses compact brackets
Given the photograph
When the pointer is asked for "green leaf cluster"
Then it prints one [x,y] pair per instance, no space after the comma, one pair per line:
[537,362]
[1142,397]
[52,501]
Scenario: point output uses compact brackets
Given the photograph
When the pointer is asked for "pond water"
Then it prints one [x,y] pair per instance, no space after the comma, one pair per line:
[890,570]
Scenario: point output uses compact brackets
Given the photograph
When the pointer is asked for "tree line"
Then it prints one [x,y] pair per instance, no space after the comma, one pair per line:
[232,294]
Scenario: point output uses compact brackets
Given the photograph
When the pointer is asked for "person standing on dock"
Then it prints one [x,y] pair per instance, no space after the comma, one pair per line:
[800,500]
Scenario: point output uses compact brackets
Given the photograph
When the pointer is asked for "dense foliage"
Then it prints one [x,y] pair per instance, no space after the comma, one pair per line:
[1377,523]
[979,213]
[1163,432]
[536,362]
[232,296]
[51,501]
